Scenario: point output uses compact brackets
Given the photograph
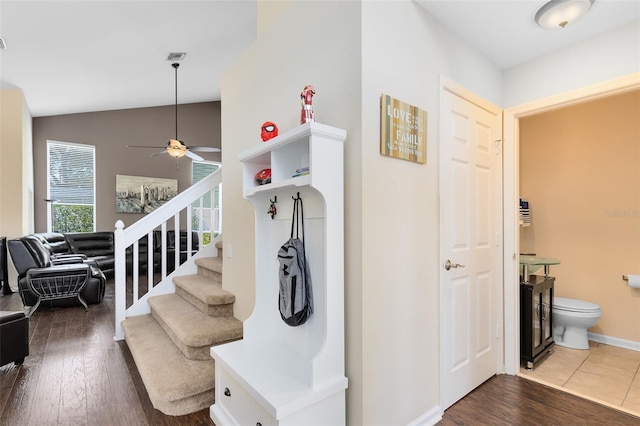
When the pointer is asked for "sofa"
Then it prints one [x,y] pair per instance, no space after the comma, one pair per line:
[98,248]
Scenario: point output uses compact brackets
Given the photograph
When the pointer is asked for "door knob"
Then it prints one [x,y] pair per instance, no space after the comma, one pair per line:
[448,265]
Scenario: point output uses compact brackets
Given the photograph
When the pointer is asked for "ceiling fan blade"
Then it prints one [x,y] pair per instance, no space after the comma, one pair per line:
[204,149]
[193,156]
[145,146]
[159,153]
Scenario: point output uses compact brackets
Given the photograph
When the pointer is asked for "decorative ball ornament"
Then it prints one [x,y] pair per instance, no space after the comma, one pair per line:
[263,177]
[269,131]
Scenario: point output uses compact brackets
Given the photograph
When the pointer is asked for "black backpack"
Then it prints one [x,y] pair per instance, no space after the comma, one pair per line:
[296,296]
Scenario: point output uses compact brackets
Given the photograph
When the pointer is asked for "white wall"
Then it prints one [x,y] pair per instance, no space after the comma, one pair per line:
[314,43]
[595,60]
[405,51]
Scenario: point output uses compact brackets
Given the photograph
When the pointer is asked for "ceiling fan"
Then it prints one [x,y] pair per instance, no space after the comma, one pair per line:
[175,147]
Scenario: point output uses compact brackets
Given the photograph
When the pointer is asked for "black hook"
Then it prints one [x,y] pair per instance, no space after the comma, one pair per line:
[272,208]
[296,198]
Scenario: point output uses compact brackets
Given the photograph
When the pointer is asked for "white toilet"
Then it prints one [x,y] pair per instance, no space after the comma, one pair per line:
[571,319]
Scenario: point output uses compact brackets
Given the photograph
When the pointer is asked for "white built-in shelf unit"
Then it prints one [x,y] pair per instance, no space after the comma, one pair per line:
[282,375]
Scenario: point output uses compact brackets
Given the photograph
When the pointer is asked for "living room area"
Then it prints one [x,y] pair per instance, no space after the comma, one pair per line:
[111,369]
[69,146]
[393,361]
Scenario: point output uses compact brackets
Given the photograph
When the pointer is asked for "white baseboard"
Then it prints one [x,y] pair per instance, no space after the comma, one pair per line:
[614,341]
[429,418]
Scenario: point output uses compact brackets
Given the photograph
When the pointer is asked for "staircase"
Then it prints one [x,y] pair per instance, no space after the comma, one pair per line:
[170,345]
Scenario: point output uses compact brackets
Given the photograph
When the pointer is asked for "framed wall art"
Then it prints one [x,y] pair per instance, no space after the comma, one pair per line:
[403,130]
[138,194]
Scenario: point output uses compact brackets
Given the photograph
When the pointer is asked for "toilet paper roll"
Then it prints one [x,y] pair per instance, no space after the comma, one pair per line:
[634,280]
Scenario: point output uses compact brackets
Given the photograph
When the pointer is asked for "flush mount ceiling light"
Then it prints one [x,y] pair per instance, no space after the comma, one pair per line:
[560,13]
[175,147]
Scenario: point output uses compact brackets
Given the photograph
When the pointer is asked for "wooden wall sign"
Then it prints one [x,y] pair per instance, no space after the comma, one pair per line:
[403,130]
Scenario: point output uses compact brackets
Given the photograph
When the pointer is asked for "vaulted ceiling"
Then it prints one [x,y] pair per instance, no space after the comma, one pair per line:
[78,56]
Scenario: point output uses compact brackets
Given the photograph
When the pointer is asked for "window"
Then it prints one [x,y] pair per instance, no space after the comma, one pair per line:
[203,214]
[70,187]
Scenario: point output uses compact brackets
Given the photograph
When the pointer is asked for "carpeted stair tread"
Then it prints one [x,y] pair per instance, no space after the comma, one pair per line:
[211,263]
[190,326]
[175,385]
[204,289]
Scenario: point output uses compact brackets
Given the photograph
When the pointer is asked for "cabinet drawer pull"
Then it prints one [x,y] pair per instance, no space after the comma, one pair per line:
[227,392]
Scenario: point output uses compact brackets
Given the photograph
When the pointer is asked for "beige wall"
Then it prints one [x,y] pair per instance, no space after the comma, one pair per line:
[579,169]
[268,12]
[110,132]
[16,168]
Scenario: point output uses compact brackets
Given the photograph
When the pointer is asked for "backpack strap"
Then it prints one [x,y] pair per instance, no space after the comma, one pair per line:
[300,221]
[294,218]
[298,217]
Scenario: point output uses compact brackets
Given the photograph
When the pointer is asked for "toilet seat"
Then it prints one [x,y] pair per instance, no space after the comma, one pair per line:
[574,305]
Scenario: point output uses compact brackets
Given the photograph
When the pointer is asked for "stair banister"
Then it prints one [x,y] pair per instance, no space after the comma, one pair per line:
[130,236]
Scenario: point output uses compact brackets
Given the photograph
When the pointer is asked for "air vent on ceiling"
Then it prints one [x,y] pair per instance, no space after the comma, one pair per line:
[176,56]
[3,44]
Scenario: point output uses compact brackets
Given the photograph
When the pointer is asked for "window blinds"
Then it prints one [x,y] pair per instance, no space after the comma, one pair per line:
[71,173]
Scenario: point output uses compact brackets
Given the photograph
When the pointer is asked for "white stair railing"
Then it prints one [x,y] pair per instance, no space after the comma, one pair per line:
[154,229]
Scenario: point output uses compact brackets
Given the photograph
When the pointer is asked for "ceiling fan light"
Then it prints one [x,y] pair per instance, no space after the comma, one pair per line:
[560,13]
[176,149]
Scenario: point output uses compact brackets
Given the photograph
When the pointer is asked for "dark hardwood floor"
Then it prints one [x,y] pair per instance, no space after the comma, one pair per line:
[512,400]
[76,374]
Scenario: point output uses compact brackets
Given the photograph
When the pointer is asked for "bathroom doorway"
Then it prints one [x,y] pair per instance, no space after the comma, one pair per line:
[511,196]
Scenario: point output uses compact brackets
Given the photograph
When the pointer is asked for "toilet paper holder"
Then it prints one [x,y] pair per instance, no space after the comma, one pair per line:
[625,277]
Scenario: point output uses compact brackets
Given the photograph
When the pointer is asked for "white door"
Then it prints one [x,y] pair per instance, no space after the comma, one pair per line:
[470,243]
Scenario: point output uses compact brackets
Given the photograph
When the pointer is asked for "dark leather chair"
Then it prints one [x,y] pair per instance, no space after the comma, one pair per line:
[14,337]
[58,281]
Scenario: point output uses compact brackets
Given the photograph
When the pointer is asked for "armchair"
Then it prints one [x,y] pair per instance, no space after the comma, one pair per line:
[41,280]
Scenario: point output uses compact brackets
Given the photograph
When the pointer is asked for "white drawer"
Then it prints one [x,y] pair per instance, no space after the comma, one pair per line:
[239,404]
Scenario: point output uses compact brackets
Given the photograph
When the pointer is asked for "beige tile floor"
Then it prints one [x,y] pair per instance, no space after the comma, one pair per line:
[604,373]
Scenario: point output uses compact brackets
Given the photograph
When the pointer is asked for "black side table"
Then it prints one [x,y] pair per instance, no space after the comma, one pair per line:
[4,272]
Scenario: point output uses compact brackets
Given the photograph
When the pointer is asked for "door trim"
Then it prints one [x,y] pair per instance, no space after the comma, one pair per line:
[448,85]
[511,180]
